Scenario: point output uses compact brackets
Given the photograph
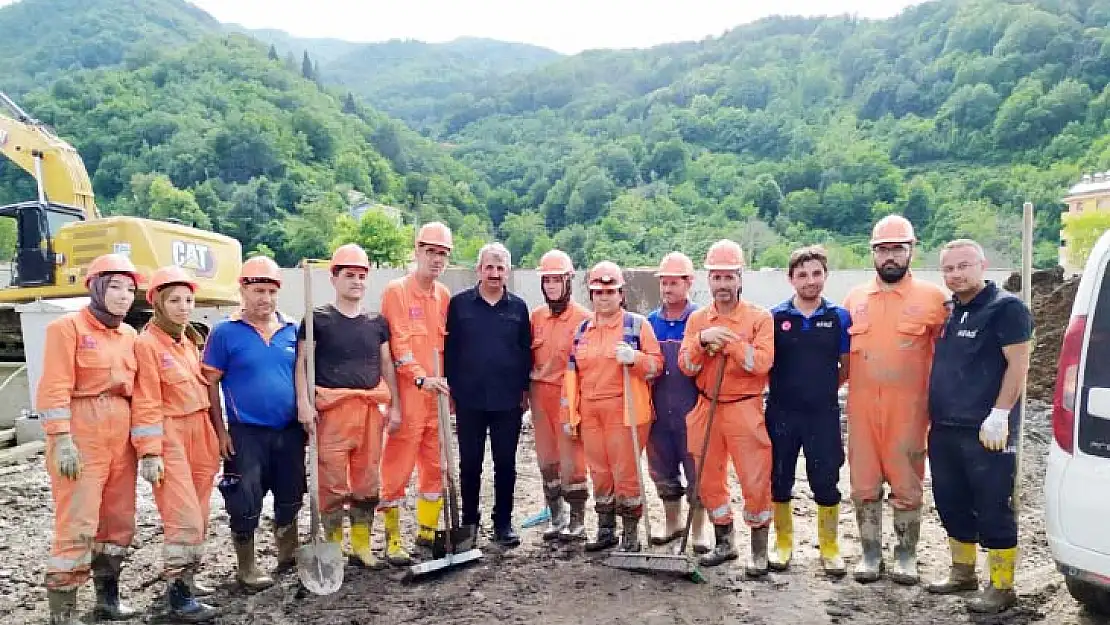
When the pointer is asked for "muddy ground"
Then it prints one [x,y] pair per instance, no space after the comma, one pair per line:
[539,583]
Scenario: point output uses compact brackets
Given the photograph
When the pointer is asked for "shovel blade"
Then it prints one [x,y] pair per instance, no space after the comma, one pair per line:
[320,567]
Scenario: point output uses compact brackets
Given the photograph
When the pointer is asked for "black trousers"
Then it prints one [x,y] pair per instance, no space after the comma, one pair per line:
[265,460]
[503,430]
[972,487]
[818,433]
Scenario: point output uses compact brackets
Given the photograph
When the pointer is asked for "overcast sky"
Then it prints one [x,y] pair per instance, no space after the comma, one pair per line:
[564,25]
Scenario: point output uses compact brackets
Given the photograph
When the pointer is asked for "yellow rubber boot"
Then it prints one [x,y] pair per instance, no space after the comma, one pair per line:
[395,552]
[427,517]
[783,550]
[333,529]
[828,522]
[360,540]
[999,595]
[961,575]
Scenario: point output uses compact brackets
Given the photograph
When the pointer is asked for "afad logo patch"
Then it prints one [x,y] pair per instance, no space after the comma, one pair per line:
[87,342]
[416,312]
[167,361]
[195,256]
[786,325]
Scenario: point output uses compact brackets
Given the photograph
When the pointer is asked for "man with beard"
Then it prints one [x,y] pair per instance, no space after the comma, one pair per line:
[895,319]
[811,360]
[415,308]
[744,333]
[562,459]
[673,396]
[488,360]
[982,357]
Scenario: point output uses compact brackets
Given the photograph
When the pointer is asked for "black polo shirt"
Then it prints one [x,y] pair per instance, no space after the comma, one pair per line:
[805,374]
[488,351]
[968,364]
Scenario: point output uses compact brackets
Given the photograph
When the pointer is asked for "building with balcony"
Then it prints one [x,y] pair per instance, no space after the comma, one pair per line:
[1092,192]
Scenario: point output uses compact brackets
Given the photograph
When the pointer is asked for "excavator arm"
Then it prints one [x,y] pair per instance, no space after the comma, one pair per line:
[54,163]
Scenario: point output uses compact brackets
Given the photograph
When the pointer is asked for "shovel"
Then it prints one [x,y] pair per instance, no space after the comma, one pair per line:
[319,563]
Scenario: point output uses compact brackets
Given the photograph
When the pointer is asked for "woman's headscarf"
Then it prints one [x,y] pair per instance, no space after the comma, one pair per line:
[98,287]
[164,323]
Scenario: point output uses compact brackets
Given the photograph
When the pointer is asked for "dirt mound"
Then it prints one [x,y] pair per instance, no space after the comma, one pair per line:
[1052,301]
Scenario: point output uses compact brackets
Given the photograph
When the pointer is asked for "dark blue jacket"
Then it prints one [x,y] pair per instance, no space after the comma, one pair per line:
[488,351]
[805,374]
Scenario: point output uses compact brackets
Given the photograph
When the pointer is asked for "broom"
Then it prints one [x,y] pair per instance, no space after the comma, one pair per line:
[678,564]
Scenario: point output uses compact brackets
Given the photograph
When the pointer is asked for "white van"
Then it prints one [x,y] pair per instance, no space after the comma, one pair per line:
[1077,480]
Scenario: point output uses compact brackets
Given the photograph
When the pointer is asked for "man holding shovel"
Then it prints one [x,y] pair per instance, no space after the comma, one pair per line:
[744,332]
[354,376]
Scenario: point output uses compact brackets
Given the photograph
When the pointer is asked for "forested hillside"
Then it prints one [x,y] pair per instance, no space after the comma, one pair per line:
[797,130]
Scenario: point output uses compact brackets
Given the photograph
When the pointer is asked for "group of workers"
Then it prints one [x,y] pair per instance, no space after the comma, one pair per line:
[701,386]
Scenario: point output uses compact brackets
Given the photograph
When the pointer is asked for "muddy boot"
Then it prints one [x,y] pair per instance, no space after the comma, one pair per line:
[697,532]
[576,524]
[674,527]
[828,520]
[961,577]
[427,518]
[63,607]
[783,551]
[183,606]
[247,573]
[869,516]
[333,529]
[106,570]
[907,529]
[395,552]
[287,541]
[362,526]
[559,518]
[757,562]
[999,595]
[724,550]
[197,588]
[606,532]
[630,539]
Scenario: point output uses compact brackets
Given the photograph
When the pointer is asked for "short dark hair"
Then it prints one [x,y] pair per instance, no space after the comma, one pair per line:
[803,255]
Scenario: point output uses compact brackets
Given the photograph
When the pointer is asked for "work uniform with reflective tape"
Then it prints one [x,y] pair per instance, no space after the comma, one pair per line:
[739,431]
[598,410]
[673,396]
[893,328]
[170,419]
[85,390]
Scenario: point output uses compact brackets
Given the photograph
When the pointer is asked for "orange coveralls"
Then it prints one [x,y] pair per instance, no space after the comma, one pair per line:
[562,459]
[594,391]
[85,390]
[739,430]
[417,325]
[888,418]
[169,418]
[350,439]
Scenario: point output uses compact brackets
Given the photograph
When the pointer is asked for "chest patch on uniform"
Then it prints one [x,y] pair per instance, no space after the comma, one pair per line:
[786,325]
[416,312]
[967,334]
[167,361]
[87,342]
[824,324]
[914,310]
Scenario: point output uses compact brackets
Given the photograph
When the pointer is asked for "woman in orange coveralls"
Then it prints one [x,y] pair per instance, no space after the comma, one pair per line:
[178,449]
[84,398]
[596,409]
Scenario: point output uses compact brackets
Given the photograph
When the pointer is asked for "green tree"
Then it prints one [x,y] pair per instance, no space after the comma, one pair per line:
[387,244]
[307,67]
[1082,231]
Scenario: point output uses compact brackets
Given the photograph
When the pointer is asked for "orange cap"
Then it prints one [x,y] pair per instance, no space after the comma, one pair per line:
[892,229]
[112,263]
[350,255]
[556,263]
[606,275]
[676,264]
[168,276]
[260,268]
[725,255]
[435,233]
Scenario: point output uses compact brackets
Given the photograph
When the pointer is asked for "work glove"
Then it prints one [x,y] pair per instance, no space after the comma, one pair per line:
[995,429]
[152,469]
[66,459]
[625,354]
[570,431]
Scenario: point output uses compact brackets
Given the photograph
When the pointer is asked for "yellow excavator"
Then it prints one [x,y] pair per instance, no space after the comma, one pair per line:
[61,232]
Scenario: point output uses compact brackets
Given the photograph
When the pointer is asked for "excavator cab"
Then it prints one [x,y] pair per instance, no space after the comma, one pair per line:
[36,223]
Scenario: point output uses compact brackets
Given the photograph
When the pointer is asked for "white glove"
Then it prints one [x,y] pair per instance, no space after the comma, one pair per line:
[66,459]
[995,429]
[152,469]
[625,354]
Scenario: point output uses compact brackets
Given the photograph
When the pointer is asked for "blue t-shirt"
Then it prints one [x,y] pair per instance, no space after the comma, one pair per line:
[257,380]
[805,374]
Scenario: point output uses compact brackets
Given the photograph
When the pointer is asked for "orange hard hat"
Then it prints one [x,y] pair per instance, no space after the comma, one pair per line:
[112,263]
[435,233]
[350,255]
[556,263]
[892,229]
[676,264]
[725,255]
[606,275]
[169,276]
[260,268]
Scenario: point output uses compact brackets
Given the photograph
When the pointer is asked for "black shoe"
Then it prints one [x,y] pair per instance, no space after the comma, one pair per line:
[506,537]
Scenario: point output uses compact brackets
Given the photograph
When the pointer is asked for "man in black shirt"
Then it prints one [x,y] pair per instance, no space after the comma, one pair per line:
[488,359]
[975,387]
[354,378]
